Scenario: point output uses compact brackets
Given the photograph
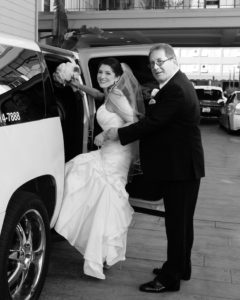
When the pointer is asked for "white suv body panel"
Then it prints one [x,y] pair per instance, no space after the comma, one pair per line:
[45,140]
[18,42]
[41,127]
[2,215]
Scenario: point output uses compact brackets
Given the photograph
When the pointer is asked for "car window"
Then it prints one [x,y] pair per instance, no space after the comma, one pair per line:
[237,97]
[70,109]
[21,86]
[139,64]
[212,95]
[230,99]
[51,105]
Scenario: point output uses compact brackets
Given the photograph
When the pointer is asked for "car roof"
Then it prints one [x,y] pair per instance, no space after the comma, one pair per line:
[208,87]
[235,92]
[129,50]
[15,41]
[59,51]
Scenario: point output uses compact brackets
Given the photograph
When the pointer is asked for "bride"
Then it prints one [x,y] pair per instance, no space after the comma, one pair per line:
[95,214]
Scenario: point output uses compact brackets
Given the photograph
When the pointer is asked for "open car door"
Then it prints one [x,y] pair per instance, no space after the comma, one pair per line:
[142,197]
[148,207]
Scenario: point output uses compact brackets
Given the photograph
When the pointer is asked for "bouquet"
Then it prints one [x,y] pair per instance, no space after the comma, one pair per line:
[65,72]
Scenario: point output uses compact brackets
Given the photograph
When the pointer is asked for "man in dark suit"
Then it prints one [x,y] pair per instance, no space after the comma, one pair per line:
[172,161]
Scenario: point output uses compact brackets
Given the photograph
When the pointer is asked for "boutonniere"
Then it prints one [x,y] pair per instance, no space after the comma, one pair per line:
[153,94]
[152,101]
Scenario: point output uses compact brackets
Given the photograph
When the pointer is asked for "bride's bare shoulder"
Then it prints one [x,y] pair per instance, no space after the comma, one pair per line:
[116,91]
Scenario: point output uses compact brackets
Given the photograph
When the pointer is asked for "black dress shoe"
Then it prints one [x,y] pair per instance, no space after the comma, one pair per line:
[156,286]
[186,276]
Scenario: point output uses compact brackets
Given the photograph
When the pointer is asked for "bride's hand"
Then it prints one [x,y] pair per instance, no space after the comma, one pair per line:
[74,83]
[99,139]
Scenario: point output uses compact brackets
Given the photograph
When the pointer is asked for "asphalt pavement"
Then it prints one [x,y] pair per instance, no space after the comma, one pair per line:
[216,250]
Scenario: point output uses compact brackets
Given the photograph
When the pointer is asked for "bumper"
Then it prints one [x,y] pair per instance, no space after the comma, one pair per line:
[209,111]
[235,122]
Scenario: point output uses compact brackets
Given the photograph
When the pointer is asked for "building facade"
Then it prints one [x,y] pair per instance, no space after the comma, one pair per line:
[204,33]
[19,18]
[87,5]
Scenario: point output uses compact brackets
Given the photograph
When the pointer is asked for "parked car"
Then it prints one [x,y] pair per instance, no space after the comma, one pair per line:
[42,126]
[230,113]
[211,99]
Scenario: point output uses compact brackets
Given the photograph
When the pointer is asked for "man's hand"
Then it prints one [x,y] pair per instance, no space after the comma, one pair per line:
[112,134]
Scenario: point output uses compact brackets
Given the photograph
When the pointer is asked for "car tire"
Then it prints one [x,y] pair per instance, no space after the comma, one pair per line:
[229,130]
[220,124]
[24,248]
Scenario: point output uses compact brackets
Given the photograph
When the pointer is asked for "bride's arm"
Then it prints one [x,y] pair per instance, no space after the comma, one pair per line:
[121,106]
[95,93]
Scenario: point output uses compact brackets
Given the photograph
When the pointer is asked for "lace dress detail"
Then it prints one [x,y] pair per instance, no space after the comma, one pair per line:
[95,213]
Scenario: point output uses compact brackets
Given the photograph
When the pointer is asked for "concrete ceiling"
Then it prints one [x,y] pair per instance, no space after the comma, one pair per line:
[187,27]
[176,37]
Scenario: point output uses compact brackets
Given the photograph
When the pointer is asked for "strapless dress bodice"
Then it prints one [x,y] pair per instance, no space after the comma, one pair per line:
[107,119]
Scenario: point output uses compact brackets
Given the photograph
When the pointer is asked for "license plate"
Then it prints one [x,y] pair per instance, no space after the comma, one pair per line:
[206,109]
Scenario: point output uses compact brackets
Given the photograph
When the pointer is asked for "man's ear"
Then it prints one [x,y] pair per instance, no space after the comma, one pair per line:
[175,61]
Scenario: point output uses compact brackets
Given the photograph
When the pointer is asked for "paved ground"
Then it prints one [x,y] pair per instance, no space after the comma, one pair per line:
[216,252]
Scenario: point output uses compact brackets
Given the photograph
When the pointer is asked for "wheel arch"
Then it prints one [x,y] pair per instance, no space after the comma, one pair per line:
[43,186]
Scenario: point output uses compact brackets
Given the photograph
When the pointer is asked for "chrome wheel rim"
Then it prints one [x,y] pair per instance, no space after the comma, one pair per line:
[26,255]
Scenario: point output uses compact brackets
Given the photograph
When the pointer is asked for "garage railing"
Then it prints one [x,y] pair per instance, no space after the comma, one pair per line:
[105,5]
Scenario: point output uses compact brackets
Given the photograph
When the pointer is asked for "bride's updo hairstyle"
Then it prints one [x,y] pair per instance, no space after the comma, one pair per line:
[114,64]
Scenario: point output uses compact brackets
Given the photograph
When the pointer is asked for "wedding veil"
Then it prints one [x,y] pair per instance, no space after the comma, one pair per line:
[131,89]
[129,86]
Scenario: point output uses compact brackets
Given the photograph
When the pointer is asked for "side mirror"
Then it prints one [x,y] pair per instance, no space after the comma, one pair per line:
[221,101]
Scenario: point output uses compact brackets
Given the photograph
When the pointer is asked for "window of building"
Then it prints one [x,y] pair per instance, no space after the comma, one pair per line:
[190,52]
[74,5]
[46,5]
[229,68]
[197,4]
[231,71]
[228,3]
[214,69]
[212,3]
[78,5]
[204,69]
[211,52]
[177,52]
[231,52]
[189,69]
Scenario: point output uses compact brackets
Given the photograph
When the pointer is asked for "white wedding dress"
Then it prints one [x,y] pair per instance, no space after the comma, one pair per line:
[95,213]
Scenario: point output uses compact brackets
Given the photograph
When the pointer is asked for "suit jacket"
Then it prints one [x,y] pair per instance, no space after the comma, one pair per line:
[169,134]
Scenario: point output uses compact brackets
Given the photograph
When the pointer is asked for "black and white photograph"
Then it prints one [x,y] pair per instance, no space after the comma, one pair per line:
[120,156]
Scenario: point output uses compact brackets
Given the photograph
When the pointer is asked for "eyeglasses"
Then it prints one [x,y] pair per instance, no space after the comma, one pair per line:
[159,62]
